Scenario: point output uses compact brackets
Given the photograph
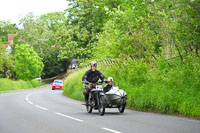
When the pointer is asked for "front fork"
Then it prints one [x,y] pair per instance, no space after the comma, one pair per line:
[95,98]
[99,94]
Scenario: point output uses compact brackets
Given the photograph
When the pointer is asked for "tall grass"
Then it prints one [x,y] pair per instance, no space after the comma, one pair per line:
[9,85]
[158,86]
[73,86]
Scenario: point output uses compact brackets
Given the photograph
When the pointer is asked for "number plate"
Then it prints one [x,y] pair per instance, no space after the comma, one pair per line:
[99,87]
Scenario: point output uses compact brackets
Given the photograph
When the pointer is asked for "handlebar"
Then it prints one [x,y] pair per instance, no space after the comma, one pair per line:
[97,83]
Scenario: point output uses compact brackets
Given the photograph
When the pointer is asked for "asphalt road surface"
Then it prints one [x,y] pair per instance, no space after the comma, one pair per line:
[47,111]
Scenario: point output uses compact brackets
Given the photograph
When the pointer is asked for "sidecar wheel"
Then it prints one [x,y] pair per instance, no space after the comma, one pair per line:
[122,108]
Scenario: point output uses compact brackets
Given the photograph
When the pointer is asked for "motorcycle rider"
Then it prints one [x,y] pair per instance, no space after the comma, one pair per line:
[109,85]
[91,76]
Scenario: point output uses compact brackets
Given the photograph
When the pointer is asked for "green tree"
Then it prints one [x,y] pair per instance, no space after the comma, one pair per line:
[72,50]
[40,32]
[85,19]
[52,65]
[28,63]
[6,64]
[143,29]
[6,28]
[34,34]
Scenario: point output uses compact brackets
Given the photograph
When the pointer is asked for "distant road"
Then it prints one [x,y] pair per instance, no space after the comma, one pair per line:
[46,111]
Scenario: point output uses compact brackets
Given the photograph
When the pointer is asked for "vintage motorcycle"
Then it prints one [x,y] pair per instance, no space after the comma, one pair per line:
[98,100]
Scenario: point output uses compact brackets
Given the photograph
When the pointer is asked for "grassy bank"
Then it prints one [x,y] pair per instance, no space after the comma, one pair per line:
[9,85]
[73,86]
[164,88]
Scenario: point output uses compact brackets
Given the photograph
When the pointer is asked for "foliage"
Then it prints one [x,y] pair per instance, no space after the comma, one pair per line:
[78,32]
[85,19]
[40,32]
[10,85]
[16,38]
[33,33]
[150,28]
[5,42]
[73,86]
[6,63]
[52,66]
[28,63]
[72,50]
[6,28]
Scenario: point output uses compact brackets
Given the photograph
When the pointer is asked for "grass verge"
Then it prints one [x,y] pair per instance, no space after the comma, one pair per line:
[9,85]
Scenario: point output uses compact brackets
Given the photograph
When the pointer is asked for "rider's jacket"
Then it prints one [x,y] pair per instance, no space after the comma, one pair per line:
[93,76]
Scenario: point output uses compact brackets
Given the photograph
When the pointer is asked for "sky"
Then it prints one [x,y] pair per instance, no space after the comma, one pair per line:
[13,10]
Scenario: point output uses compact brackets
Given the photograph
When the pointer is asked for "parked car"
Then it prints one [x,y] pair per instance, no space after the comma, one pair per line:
[57,84]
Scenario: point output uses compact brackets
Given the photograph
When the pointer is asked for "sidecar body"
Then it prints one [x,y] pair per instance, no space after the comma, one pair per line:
[115,96]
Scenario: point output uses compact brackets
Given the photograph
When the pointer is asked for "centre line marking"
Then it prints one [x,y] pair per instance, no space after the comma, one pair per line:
[69,117]
[111,130]
[41,107]
[30,102]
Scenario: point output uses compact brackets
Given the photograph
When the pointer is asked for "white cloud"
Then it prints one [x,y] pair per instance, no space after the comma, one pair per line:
[13,10]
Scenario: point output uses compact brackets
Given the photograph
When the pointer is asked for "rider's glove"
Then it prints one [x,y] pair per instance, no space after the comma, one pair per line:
[85,82]
[105,81]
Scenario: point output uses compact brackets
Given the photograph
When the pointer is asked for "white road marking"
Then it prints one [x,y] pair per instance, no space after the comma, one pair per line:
[111,130]
[41,107]
[69,117]
[27,97]
[30,102]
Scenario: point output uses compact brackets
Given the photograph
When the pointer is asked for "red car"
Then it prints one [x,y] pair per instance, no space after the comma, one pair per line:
[57,84]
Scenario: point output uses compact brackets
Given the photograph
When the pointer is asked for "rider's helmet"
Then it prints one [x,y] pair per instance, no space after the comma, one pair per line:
[93,63]
[110,79]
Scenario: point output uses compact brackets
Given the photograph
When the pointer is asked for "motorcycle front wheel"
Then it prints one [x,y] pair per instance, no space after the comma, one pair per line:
[89,108]
[102,106]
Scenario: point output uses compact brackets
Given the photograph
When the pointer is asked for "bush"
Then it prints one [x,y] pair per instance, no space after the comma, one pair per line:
[5,42]
[28,64]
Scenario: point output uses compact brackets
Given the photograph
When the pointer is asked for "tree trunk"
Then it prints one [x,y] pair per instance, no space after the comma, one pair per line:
[179,52]
[197,50]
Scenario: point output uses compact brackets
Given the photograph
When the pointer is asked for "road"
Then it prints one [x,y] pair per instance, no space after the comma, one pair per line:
[44,110]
